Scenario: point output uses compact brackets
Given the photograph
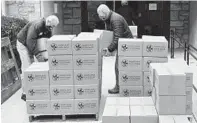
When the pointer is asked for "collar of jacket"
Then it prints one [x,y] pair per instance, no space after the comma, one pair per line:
[109,18]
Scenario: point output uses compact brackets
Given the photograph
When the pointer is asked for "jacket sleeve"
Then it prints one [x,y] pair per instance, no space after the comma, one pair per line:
[118,30]
[31,40]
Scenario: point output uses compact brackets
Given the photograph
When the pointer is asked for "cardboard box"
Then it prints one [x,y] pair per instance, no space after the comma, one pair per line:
[130,63]
[130,78]
[146,79]
[148,60]
[169,82]
[37,74]
[85,45]
[166,119]
[109,114]
[171,105]
[38,93]
[61,62]
[123,114]
[153,67]
[38,107]
[64,106]
[189,92]
[117,101]
[137,114]
[106,36]
[85,62]
[133,30]
[181,119]
[154,95]
[60,44]
[86,77]
[147,91]
[151,115]
[84,106]
[189,107]
[111,101]
[148,101]
[155,47]
[86,91]
[129,91]
[130,47]
[61,77]
[62,92]
[141,101]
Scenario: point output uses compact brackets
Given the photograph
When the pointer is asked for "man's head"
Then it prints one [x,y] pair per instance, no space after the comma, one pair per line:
[103,12]
[124,2]
[51,22]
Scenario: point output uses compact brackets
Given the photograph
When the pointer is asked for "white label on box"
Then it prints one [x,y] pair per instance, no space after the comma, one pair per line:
[147,91]
[62,106]
[62,92]
[86,91]
[61,62]
[85,62]
[146,79]
[155,48]
[130,63]
[38,93]
[85,77]
[86,106]
[130,47]
[38,107]
[148,60]
[128,91]
[130,78]
[61,77]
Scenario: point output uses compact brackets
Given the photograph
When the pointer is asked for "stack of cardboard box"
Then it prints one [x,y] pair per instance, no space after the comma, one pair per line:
[135,56]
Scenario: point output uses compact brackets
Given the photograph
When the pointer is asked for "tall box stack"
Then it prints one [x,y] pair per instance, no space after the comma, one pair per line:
[130,67]
[36,79]
[61,74]
[87,73]
[155,50]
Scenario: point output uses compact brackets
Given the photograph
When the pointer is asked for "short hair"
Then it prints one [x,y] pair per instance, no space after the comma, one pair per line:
[103,9]
[53,20]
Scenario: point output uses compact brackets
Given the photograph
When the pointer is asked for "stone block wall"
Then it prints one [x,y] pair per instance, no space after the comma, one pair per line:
[71,17]
[29,10]
[179,20]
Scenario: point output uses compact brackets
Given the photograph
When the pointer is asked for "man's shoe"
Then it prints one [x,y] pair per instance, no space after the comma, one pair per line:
[23,97]
[115,90]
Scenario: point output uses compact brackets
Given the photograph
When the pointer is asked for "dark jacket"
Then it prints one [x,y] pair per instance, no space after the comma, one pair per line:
[119,26]
[31,32]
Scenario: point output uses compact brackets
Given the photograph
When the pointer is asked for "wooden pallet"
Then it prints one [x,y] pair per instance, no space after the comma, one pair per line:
[58,117]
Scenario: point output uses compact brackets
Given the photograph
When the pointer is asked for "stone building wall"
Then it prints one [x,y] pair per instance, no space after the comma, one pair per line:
[179,20]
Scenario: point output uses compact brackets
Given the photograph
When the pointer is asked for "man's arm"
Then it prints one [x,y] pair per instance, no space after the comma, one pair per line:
[118,30]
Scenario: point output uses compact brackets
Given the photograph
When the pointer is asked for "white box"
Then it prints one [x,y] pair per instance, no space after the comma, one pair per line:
[117,101]
[130,63]
[137,114]
[86,91]
[166,119]
[106,36]
[65,106]
[61,62]
[141,101]
[61,77]
[62,92]
[133,30]
[148,60]
[37,74]
[129,91]
[60,44]
[155,47]
[123,114]
[148,101]
[181,119]
[111,101]
[38,107]
[146,79]
[130,47]
[171,105]
[153,66]
[89,106]
[85,62]
[38,93]
[151,115]
[85,45]
[130,78]
[109,114]
[147,91]
[86,77]
[169,82]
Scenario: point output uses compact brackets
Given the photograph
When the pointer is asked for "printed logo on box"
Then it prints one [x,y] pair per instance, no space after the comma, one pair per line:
[54,62]
[56,106]
[30,77]
[80,105]
[80,91]
[79,76]
[79,62]
[78,47]
[149,48]
[56,92]
[55,77]
[124,78]
[31,92]
[39,77]
[124,63]
[53,46]
[148,63]
[126,92]
[32,106]
[124,47]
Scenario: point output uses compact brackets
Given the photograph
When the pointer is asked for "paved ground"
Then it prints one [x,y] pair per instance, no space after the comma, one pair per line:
[14,109]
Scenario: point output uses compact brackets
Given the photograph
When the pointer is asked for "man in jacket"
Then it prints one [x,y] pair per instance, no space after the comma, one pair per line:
[27,41]
[116,23]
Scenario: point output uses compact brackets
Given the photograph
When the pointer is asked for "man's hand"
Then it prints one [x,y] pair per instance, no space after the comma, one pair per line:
[106,52]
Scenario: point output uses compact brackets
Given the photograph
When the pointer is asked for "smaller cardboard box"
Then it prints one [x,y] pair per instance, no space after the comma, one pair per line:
[60,44]
[127,91]
[38,93]
[130,78]
[62,92]
[38,107]
[130,63]
[90,106]
[64,106]
[61,62]
[61,77]
[130,47]
[86,91]
[148,60]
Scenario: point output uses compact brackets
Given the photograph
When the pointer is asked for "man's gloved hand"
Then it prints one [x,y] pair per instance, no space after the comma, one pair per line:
[106,52]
